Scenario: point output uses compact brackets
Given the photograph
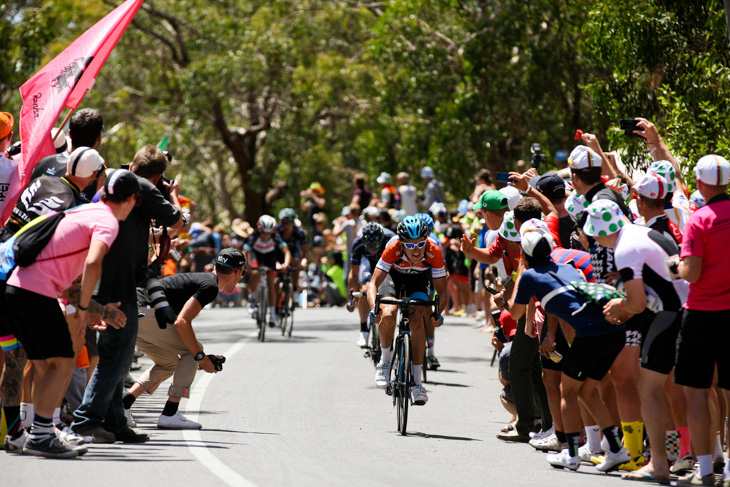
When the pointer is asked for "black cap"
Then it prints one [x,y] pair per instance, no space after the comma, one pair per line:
[121,183]
[551,185]
[230,257]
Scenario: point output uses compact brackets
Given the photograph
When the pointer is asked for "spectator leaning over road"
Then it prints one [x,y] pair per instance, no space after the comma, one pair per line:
[101,414]
[434,191]
[175,350]
[77,245]
[704,335]
[408,194]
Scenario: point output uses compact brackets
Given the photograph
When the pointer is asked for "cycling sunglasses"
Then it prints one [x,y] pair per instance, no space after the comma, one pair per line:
[411,246]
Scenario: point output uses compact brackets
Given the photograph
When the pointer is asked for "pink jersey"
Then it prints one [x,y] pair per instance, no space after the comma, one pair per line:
[706,235]
[50,276]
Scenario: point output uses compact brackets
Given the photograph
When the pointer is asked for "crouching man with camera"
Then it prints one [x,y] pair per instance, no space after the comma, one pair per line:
[174,349]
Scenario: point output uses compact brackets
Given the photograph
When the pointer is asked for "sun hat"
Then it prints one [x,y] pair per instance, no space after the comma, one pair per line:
[508,229]
[604,218]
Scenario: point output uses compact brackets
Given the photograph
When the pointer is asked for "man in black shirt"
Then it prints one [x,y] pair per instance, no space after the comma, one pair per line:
[101,414]
[175,350]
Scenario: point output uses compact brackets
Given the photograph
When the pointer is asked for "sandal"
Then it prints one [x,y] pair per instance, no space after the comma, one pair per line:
[507,428]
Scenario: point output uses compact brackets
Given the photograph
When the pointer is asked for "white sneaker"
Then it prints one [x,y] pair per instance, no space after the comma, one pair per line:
[613,460]
[381,375]
[362,340]
[177,422]
[563,460]
[550,443]
[251,307]
[15,445]
[130,419]
[480,315]
[684,464]
[419,395]
[585,453]
[542,434]
[69,436]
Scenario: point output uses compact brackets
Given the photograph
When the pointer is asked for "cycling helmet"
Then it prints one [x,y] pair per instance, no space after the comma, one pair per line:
[287,214]
[372,235]
[412,227]
[266,224]
[426,218]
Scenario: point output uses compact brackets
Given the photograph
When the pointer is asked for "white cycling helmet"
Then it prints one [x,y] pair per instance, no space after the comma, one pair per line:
[266,224]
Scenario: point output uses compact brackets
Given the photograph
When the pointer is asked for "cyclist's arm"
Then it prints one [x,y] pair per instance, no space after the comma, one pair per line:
[352,278]
[287,255]
[440,285]
[378,277]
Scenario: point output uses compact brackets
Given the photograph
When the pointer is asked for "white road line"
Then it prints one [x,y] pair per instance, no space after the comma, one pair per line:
[195,441]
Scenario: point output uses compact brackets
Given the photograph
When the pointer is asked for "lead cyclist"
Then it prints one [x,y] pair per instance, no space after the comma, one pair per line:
[409,262]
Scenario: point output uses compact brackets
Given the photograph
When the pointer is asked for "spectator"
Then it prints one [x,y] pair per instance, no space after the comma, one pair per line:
[312,202]
[408,194]
[8,167]
[389,197]
[434,191]
[362,196]
[561,159]
[484,183]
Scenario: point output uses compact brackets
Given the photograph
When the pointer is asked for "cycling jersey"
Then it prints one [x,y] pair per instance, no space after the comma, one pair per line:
[359,251]
[261,246]
[394,261]
[295,240]
[665,226]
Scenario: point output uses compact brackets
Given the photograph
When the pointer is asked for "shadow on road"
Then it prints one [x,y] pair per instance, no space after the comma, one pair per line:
[440,437]
[447,384]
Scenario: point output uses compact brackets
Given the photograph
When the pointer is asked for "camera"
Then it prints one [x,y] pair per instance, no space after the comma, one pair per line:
[537,158]
[164,314]
[629,126]
[14,149]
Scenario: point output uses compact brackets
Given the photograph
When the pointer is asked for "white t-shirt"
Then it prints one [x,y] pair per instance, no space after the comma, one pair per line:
[408,199]
[8,180]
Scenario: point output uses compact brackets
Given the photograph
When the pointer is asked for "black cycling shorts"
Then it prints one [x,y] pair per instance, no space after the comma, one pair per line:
[403,285]
[702,344]
[591,357]
[659,345]
[38,322]
[266,260]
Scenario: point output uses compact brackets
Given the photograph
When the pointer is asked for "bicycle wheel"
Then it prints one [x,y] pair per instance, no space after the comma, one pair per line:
[405,380]
[283,308]
[375,351]
[263,311]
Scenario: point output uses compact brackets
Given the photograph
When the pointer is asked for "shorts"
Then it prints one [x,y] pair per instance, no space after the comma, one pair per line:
[508,395]
[265,260]
[591,357]
[38,322]
[659,347]
[637,327]
[703,343]
[562,347]
[405,286]
[7,339]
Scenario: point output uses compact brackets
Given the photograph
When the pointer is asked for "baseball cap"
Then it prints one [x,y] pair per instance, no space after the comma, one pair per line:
[666,170]
[604,218]
[384,178]
[230,257]
[84,162]
[512,194]
[346,211]
[653,186]
[121,182]
[315,186]
[508,229]
[59,142]
[492,199]
[6,124]
[576,204]
[713,170]
[561,155]
[583,157]
[427,172]
[537,243]
[533,224]
[551,185]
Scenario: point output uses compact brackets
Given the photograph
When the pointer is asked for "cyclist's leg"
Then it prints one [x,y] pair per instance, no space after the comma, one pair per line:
[273,294]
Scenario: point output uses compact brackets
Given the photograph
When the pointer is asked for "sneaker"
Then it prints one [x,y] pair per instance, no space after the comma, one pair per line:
[563,460]
[419,395]
[459,312]
[128,435]
[550,443]
[66,434]
[381,375]
[683,465]
[15,445]
[613,460]
[96,433]
[177,422]
[251,307]
[695,479]
[718,464]
[723,483]
[633,465]
[130,419]
[542,434]
[513,436]
[433,362]
[585,453]
[49,447]
[480,315]
[362,340]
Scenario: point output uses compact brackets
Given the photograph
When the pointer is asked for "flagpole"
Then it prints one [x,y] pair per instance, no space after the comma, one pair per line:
[65,120]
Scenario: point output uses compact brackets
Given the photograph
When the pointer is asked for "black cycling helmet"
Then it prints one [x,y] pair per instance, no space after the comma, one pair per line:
[412,227]
[287,214]
[372,235]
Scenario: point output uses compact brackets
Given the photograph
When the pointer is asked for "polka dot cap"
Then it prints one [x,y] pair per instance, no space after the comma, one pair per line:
[508,229]
[604,218]
[665,170]
[576,204]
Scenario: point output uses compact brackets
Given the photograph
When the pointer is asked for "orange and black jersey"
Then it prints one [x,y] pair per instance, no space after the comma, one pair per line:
[395,262]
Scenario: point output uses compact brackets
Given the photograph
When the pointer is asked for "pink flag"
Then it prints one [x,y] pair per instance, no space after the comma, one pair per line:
[64,82]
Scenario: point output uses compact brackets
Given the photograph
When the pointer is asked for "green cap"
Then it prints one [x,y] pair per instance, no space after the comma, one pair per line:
[491,199]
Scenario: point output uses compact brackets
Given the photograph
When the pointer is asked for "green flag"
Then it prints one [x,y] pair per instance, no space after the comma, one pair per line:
[163,143]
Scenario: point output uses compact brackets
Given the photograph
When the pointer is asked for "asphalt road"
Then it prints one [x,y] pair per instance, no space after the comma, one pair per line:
[304,411]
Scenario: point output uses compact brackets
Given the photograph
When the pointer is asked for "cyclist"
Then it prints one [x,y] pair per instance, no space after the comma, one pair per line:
[366,252]
[260,249]
[410,263]
[294,237]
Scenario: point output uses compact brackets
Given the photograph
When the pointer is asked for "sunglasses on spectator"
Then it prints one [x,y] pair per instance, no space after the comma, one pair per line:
[411,246]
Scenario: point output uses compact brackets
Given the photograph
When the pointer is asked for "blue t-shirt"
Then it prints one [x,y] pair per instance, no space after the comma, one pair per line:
[539,282]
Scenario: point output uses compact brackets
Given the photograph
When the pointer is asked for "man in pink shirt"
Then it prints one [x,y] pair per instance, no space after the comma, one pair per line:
[78,246]
[705,333]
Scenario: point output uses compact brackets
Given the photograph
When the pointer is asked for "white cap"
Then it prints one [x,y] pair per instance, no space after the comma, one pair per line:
[427,172]
[533,224]
[346,211]
[384,178]
[583,157]
[653,186]
[512,194]
[713,170]
[537,242]
[84,162]
[59,142]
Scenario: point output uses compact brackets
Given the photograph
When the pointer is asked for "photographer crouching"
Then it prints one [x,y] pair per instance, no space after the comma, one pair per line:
[175,350]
